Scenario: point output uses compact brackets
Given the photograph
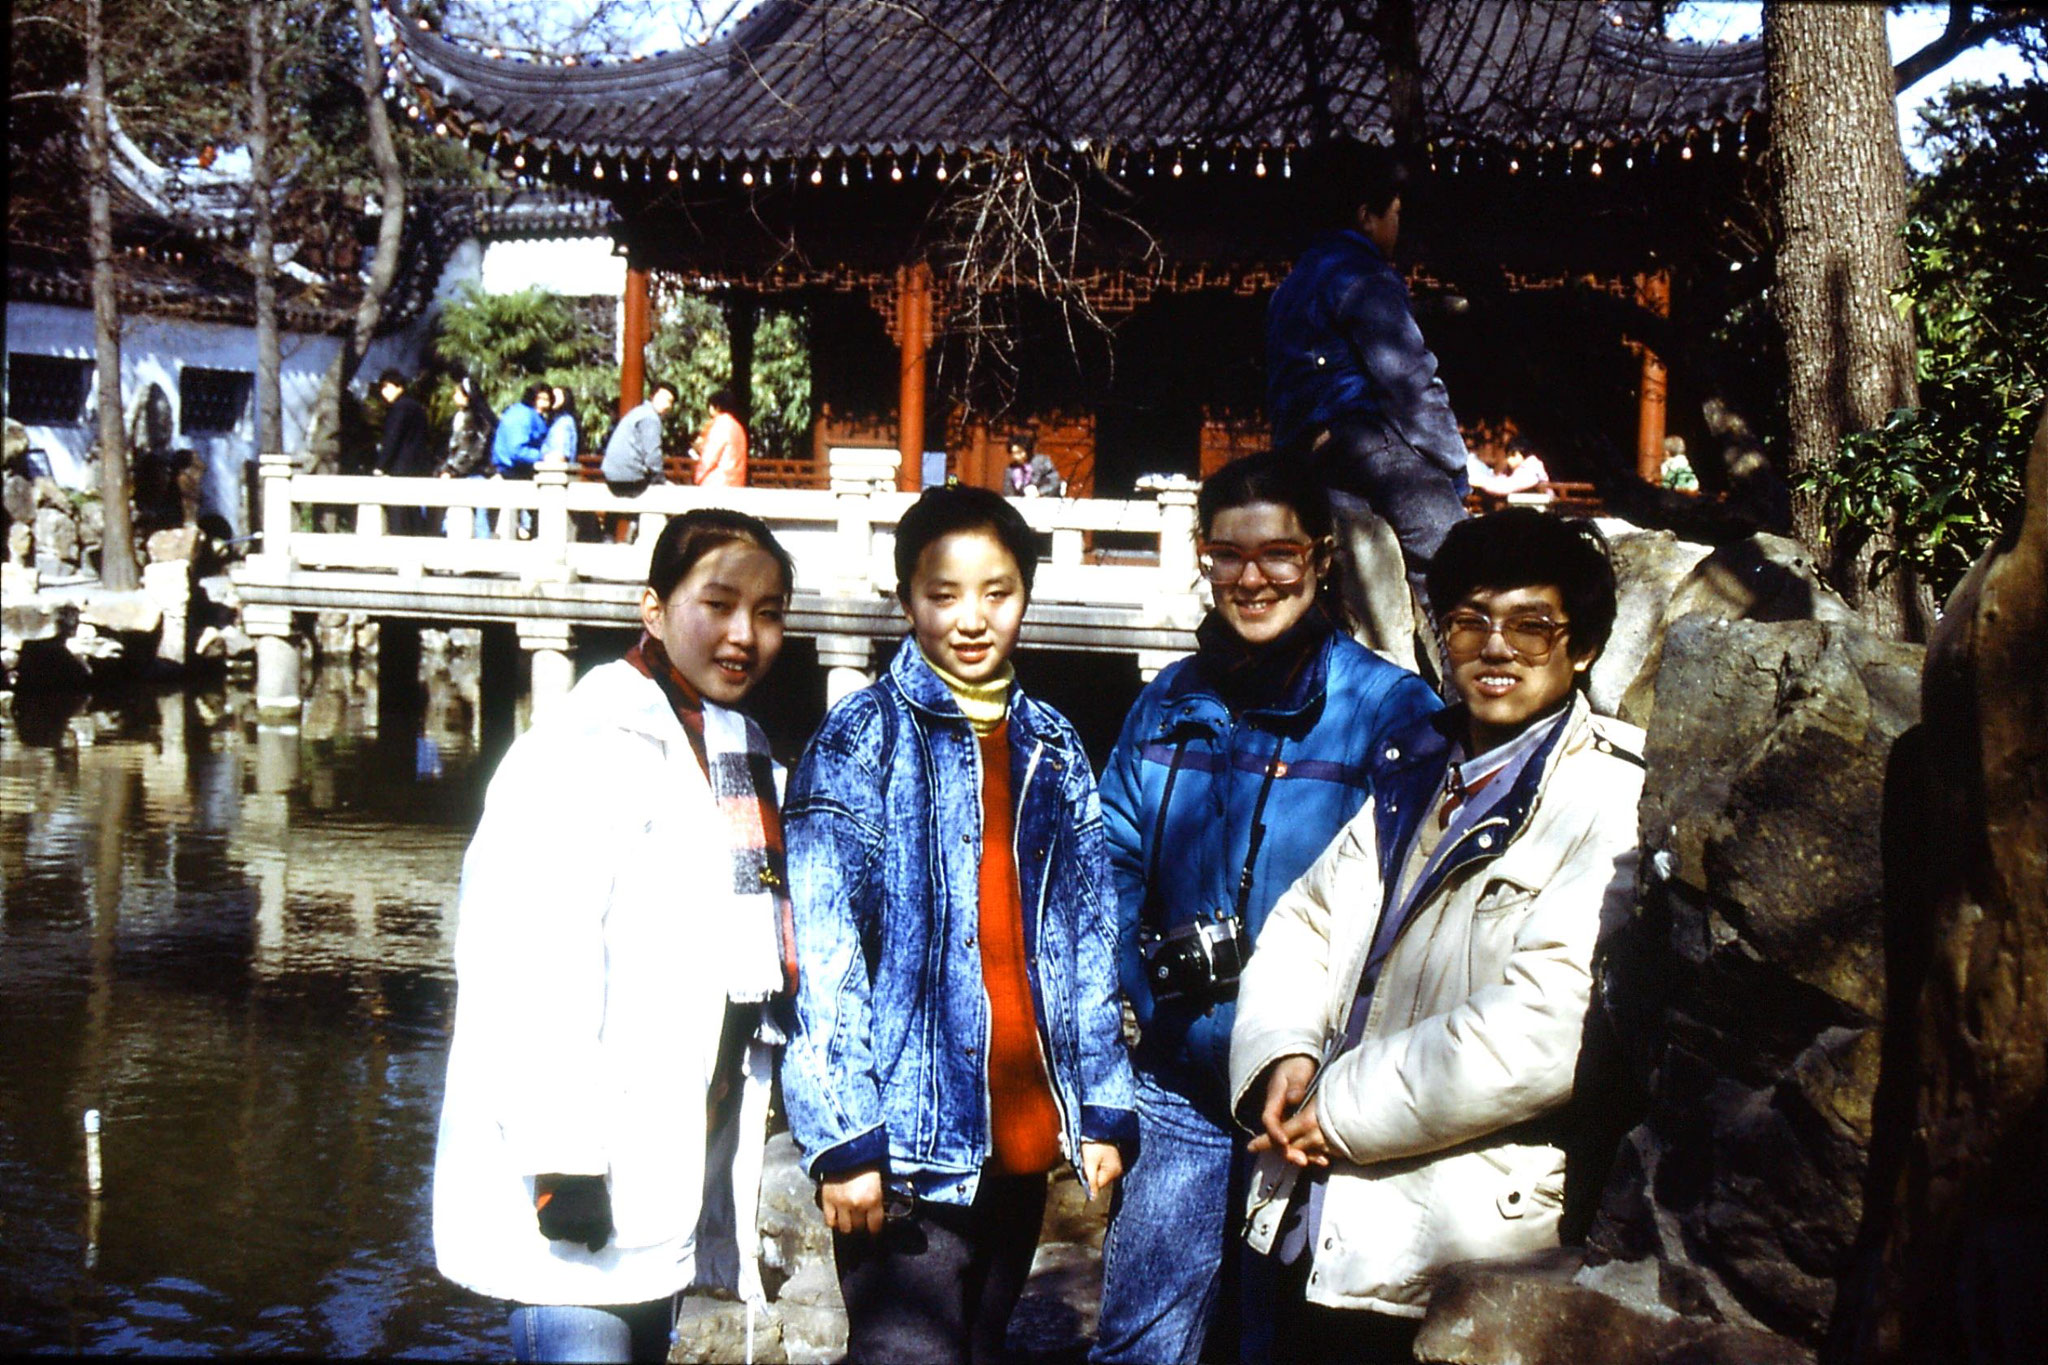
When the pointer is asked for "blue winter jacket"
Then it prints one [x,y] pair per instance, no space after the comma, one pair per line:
[1323,731]
[887,1062]
[1342,343]
[521,429]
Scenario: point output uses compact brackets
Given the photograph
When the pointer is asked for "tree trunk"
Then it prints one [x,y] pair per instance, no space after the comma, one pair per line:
[262,249]
[117,545]
[1839,201]
[323,432]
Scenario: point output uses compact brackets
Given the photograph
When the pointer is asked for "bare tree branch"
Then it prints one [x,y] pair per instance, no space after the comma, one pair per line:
[1965,30]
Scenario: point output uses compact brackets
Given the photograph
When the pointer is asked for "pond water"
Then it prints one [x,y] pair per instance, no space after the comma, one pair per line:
[235,943]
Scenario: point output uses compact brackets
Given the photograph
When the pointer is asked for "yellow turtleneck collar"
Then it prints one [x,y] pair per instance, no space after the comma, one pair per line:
[984,704]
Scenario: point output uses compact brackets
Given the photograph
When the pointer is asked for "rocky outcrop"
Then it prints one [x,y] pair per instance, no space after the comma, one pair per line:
[1741,1006]
[1660,580]
[1954,1258]
[1532,1313]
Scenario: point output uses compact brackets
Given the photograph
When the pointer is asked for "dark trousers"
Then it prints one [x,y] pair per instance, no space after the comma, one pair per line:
[1419,498]
[939,1284]
[1297,1332]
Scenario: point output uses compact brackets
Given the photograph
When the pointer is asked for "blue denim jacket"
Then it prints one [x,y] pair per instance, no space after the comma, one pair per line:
[887,1062]
[1325,732]
[1341,342]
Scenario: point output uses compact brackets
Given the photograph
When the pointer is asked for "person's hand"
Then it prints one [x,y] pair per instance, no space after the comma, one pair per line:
[1102,1164]
[1288,1121]
[573,1208]
[853,1203]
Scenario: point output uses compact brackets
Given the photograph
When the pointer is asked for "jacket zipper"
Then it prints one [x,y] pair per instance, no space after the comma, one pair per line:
[1030,966]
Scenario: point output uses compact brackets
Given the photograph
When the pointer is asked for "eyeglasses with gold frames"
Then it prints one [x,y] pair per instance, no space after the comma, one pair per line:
[1528,636]
[1282,563]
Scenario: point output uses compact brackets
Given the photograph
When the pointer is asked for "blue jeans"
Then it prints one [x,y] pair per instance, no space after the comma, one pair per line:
[610,1332]
[1173,1230]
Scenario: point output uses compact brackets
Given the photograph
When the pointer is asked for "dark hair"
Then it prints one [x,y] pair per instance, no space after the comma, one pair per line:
[1284,480]
[1380,177]
[689,537]
[725,400]
[1524,547]
[658,385]
[392,377]
[568,403]
[532,392]
[1019,441]
[1265,477]
[943,511]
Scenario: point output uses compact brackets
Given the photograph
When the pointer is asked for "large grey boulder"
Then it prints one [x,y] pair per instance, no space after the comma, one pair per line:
[56,544]
[1662,580]
[1740,1007]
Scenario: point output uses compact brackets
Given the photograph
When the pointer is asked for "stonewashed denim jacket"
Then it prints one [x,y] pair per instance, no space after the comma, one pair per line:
[887,1063]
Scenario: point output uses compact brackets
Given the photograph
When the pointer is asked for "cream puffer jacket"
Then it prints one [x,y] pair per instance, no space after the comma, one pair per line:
[591,967]
[1435,1121]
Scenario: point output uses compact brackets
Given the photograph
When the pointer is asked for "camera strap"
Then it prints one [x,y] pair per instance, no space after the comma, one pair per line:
[1258,834]
[1180,751]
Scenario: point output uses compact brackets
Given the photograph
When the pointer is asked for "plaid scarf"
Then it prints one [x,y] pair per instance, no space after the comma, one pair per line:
[734,756]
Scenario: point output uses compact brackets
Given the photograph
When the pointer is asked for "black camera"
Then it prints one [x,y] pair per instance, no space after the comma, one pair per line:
[1197,961]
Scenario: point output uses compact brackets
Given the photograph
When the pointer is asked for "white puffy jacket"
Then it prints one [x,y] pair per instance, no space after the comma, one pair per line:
[1474,1029]
[590,969]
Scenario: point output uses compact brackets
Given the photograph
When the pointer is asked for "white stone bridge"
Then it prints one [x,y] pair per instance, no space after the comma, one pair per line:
[1119,576]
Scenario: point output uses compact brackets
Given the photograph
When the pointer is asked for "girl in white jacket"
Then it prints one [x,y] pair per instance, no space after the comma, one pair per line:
[601,1132]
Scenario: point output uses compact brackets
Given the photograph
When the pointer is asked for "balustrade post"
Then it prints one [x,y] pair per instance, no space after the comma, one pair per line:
[1177,538]
[852,573]
[553,664]
[848,661]
[551,529]
[1067,545]
[274,473]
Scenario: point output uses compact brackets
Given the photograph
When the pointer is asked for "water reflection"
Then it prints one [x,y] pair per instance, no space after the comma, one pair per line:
[234,942]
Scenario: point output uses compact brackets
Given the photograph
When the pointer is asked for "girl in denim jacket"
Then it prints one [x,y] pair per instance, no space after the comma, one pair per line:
[957,1031]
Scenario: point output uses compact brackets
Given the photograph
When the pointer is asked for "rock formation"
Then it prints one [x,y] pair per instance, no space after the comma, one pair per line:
[1954,1261]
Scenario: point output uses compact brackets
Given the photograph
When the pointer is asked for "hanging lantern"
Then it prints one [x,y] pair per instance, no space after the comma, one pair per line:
[1177,170]
[895,171]
[672,168]
[1260,169]
[747,177]
[597,171]
[1514,165]
[1685,152]
[842,172]
[939,172]
[1205,164]
[519,161]
[1287,165]
[768,173]
[817,175]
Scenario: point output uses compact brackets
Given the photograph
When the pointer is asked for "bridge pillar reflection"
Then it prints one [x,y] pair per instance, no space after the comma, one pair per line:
[849,664]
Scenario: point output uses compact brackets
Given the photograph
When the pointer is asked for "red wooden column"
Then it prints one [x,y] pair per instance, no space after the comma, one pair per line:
[1653,293]
[636,330]
[913,327]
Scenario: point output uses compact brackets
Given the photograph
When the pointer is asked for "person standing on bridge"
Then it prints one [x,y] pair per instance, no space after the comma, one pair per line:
[404,450]
[1235,768]
[722,446]
[515,449]
[620,992]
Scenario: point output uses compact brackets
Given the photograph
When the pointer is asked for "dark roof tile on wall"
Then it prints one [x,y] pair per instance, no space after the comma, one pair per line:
[821,78]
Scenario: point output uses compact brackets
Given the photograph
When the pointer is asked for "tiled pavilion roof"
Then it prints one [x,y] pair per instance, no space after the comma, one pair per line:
[816,80]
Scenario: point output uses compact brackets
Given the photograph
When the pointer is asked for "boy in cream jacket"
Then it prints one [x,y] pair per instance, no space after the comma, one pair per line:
[1408,1028]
